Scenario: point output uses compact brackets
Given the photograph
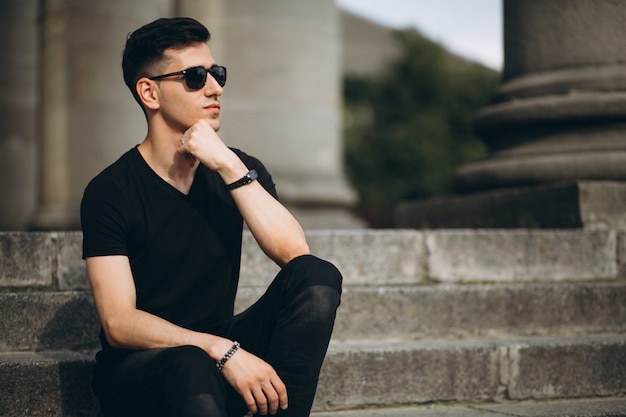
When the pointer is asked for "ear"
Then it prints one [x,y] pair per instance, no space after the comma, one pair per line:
[148,93]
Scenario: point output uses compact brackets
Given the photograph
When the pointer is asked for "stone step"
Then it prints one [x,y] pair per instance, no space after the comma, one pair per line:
[358,375]
[52,260]
[67,320]
[383,374]
[588,407]
[52,384]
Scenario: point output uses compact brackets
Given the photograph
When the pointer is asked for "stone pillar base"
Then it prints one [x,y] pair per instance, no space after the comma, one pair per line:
[575,204]
[56,217]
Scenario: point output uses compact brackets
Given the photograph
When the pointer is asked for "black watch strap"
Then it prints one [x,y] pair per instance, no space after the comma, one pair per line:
[246,179]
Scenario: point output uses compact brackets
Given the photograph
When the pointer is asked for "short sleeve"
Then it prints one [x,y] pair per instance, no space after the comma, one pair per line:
[104,219]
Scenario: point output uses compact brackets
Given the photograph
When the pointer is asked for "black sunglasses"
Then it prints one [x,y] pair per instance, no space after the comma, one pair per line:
[195,77]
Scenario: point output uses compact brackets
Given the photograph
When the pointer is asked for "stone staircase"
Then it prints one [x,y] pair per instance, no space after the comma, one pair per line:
[432,323]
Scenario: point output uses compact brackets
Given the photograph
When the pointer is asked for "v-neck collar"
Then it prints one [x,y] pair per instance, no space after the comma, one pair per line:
[161,179]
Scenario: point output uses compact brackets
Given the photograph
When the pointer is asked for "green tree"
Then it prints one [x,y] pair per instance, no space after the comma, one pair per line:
[408,129]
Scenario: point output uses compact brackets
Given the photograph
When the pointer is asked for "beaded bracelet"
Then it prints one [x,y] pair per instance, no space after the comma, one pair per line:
[227,356]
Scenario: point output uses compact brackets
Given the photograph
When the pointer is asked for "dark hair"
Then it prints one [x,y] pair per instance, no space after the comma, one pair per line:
[145,46]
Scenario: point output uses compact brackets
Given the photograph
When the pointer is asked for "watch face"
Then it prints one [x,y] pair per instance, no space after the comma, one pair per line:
[252,174]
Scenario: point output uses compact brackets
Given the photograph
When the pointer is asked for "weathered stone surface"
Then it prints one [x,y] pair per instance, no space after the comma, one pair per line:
[361,375]
[521,255]
[593,407]
[58,320]
[471,311]
[380,374]
[71,273]
[567,368]
[419,411]
[373,257]
[358,375]
[51,384]
[621,253]
[26,259]
[574,204]
[48,320]
[365,257]
[590,407]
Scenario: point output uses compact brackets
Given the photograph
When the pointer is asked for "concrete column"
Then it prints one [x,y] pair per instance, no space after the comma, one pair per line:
[556,131]
[88,117]
[282,99]
[560,114]
[18,109]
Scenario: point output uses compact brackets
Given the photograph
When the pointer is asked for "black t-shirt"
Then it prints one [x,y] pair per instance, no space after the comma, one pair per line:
[184,250]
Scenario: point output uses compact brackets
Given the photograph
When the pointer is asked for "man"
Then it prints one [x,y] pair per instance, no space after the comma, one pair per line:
[162,233]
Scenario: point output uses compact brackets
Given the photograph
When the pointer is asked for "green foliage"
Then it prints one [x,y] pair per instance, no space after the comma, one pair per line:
[408,129]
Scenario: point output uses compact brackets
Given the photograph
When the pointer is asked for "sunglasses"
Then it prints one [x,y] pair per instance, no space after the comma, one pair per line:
[195,77]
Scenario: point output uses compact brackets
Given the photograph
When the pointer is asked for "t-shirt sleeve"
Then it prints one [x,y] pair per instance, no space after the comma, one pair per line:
[103,215]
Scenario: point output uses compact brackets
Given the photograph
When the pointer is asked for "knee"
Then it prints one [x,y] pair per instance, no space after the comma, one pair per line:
[310,271]
[315,286]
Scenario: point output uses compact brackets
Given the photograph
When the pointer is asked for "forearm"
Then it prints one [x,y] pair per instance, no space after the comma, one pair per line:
[275,229]
[137,329]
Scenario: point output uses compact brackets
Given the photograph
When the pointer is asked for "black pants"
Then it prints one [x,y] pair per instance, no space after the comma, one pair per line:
[289,327]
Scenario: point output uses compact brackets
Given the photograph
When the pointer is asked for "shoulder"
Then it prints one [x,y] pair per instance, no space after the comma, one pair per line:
[116,175]
[108,190]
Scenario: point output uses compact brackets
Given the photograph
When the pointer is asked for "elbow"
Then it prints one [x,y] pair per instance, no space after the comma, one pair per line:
[303,249]
[292,253]
[113,333]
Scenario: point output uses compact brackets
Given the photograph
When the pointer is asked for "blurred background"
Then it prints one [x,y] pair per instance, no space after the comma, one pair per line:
[353,105]
[410,93]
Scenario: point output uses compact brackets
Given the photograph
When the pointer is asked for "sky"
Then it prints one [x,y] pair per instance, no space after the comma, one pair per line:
[470,28]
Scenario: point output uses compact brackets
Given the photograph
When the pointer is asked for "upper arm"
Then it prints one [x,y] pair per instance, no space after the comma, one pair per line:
[112,286]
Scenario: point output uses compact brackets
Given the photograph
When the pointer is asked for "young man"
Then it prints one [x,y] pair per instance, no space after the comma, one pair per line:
[162,230]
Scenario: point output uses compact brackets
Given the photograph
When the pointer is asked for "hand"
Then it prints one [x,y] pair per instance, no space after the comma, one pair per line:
[201,142]
[257,382]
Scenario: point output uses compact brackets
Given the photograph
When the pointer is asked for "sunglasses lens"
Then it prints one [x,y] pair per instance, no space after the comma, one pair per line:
[195,78]
[219,73]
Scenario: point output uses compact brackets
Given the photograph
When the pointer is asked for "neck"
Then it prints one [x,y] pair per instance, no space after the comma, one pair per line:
[161,154]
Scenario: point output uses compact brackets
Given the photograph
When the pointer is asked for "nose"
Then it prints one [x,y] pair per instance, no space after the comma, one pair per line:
[211,87]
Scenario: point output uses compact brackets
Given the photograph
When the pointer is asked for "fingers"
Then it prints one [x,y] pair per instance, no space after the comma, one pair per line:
[183,149]
[266,398]
[248,398]
[263,401]
[257,382]
[281,389]
[201,143]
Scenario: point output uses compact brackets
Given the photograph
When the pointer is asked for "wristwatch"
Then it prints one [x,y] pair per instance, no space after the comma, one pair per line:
[246,179]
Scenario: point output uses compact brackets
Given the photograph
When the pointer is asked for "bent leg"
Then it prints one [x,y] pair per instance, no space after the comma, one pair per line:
[181,381]
[291,325]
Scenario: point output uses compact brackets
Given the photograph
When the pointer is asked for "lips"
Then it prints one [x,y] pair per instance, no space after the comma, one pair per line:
[213,108]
